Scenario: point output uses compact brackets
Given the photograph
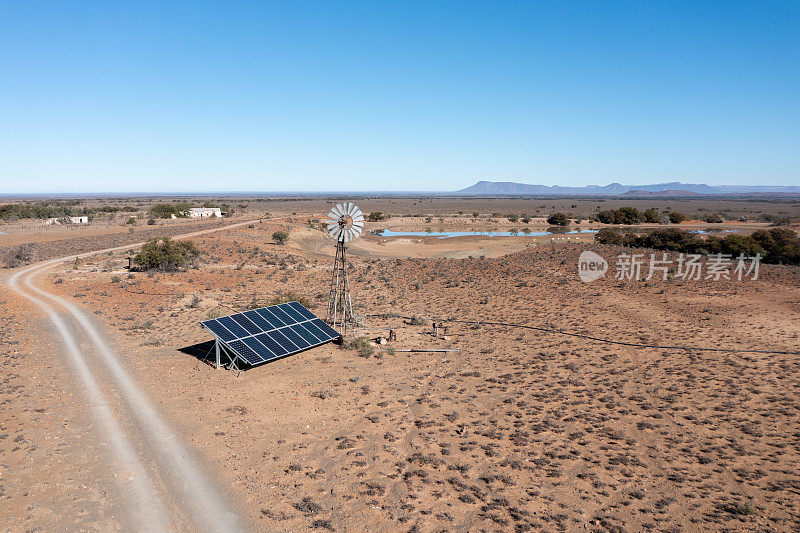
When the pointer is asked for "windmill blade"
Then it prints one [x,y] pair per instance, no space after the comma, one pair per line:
[337,211]
[350,207]
[359,216]
[334,231]
[332,226]
[358,223]
[357,212]
[333,214]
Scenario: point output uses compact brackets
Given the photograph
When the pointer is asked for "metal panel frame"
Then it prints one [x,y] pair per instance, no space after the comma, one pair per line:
[222,347]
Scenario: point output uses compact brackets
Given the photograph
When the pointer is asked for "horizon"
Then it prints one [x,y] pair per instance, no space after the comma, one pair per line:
[417,98]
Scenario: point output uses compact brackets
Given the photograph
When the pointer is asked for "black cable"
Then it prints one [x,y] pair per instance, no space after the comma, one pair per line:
[599,339]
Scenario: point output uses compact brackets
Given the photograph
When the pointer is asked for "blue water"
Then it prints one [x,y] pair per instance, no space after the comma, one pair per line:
[447,234]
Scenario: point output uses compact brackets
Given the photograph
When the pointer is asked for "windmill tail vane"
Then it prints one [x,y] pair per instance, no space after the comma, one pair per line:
[345,223]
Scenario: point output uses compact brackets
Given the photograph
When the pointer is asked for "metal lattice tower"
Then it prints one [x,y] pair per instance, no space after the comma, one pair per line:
[345,222]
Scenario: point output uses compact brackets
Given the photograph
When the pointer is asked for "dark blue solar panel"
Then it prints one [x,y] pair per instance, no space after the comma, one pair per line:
[323,336]
[302,310]
[219,330]
[286,308]
[304,334]
[259,348]
[264,334]
[278,312]
[317,334]
[269,317]
[283,340]
[247,324]
[258,320]
[274,347]
[232,326]
[295,338]
[332,333]
[249,355]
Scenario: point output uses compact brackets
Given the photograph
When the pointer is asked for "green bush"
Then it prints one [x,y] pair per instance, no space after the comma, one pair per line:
[166,210]
[652,216]
[676,218]
[623,215]
[776,245]
[376,216]
[362,346]
[558,219]
[162,253]
[280,237]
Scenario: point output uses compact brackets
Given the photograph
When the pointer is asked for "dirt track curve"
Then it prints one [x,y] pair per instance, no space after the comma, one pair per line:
[164,489]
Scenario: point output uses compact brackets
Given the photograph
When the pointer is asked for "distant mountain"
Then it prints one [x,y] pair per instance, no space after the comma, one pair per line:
[675,188]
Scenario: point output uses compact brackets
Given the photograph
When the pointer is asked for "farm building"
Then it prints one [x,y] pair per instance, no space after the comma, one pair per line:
[205,212]
[79,220]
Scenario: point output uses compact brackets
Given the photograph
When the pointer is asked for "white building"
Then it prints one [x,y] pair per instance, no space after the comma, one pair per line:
[205,212]
[79,220]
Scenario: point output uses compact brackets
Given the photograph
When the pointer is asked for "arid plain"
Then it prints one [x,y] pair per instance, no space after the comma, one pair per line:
[517,429]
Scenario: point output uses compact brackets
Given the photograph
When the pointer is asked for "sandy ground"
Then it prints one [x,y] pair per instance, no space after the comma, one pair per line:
[517,430]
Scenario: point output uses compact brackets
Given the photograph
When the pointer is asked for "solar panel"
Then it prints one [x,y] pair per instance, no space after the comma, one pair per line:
[261,335]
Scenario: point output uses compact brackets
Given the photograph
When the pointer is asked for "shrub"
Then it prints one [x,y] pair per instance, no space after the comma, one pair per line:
[376,216]
[610,236]
[776,245]
[713,219]
[162,253]
[22,254]
[652,216]
[623,215]
[362,346]
[131,221]
[676,218]
[558,219]
[164,210]
[280,237]
[512,217]
[151,222]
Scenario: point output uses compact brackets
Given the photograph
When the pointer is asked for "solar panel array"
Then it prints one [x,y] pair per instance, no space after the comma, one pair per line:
[261,335]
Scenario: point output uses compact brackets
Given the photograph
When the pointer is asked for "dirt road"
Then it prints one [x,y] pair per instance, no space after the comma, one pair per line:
[161,486]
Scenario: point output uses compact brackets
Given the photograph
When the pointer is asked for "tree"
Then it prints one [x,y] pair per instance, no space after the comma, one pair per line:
[652,216]
[162,253]
[376,216]
[512,217]
[676,218]
[558,219]
[609,236]
[280,237]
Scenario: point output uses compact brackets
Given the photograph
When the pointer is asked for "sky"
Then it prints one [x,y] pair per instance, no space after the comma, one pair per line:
[395,96]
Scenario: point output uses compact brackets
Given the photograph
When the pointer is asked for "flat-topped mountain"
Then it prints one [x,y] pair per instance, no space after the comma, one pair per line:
[675,188]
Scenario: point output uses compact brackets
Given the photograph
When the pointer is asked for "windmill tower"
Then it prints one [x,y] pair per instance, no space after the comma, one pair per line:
[345,222]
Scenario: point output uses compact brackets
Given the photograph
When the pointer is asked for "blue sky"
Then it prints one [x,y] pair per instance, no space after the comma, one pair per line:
[338,96]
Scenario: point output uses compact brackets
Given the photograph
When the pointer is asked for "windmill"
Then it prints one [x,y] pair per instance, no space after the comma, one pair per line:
[345,222]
